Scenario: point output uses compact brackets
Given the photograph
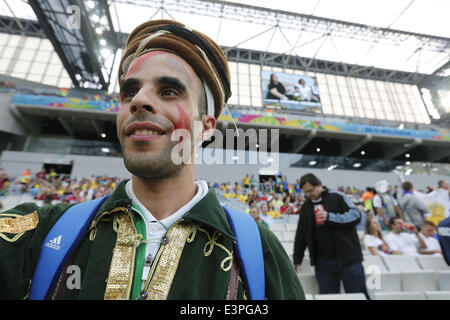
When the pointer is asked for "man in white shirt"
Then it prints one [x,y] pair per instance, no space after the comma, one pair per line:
[384,204]
[404,242]
[427,234]
[305,91]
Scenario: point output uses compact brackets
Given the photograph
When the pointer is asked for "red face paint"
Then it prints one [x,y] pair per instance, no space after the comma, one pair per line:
[184,121]
[137,64]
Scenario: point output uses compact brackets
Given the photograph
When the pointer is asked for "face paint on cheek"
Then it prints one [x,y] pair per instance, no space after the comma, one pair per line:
[184,121]
[137,64]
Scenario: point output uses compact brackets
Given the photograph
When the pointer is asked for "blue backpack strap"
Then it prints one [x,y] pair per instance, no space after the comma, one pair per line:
[59,245]
[249,251]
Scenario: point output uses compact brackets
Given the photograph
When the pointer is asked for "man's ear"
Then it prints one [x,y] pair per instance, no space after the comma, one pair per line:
[209,126]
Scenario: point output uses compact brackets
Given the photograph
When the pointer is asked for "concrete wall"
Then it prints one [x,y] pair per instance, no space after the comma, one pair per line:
[86,166]
[8,123]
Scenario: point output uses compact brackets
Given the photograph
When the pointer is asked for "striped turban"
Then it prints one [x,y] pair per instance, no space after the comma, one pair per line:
[198,50]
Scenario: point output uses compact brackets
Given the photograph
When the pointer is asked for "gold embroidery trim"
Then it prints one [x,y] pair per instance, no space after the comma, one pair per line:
[120,277]
[20,224]
[209,246]
[167,264]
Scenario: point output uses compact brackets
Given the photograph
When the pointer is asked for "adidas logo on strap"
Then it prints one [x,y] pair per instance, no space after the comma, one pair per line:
[54,243]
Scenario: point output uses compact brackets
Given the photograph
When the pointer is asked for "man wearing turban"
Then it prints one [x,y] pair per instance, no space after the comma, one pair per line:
[161,234]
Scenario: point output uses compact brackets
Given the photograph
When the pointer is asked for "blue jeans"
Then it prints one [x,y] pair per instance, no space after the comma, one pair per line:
[329,275]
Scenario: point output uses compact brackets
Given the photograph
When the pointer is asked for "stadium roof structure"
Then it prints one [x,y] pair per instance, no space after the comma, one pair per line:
[404,41]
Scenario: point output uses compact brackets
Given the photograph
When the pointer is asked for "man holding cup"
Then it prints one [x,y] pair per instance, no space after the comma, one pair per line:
[327,226]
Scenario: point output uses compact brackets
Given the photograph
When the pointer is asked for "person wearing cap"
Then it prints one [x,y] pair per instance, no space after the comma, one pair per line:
[384,204]
[161,234]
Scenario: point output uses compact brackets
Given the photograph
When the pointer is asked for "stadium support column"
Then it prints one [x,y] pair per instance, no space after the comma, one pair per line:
[436,154]
[392,151]
[302,141]
[348,147]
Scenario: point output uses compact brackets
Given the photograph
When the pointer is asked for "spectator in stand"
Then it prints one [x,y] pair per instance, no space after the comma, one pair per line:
[373,239]
[315,91]
[273,212]
[264,207]
[216,185]
[367,198]
[444,238]
[327,226]
[287,208]
[285,185]
[386,207]
[236,188]
[427,233]
[414,210]
[276,89]
[4,182]
[246,182]
[243,197]
[276,202]
[254,212]
[297,187]
[404,238]
[305,91]
[252,181]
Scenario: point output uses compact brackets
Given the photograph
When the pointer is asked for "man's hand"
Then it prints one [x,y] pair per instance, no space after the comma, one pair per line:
[321,216]
[297,268]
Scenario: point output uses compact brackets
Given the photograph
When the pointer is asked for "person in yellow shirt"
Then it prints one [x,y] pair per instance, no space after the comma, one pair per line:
[273,212]
[246,182]
[228,194]
[236,188]
[243,197]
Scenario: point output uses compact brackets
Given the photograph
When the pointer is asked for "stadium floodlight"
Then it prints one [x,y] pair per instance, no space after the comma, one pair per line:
[363,152]
[318,149]
[356,165]
[103,42]
[105,150]
[312,163]
[408,163]
[103,135]
[95,18]
[99,31]
[407,155]
[90,4]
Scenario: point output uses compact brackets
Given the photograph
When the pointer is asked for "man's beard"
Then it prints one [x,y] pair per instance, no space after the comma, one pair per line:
[154,167]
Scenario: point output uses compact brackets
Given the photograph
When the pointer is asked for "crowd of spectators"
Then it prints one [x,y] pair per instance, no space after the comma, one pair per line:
[387,228]
[51,187]
[105,96]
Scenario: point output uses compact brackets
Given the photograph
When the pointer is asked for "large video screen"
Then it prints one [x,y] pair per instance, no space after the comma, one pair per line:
[290,91]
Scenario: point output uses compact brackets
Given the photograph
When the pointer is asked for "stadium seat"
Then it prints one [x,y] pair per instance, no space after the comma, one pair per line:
[371,260]
[289,247]
[437,295]
[289,236]
[291,227]
[399,296]
[436,263]
[279,235]
[341,296]
[387,282]
[413,281]
[396,263]
[278,227]
[309,283]
[443,280]
[309,296]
